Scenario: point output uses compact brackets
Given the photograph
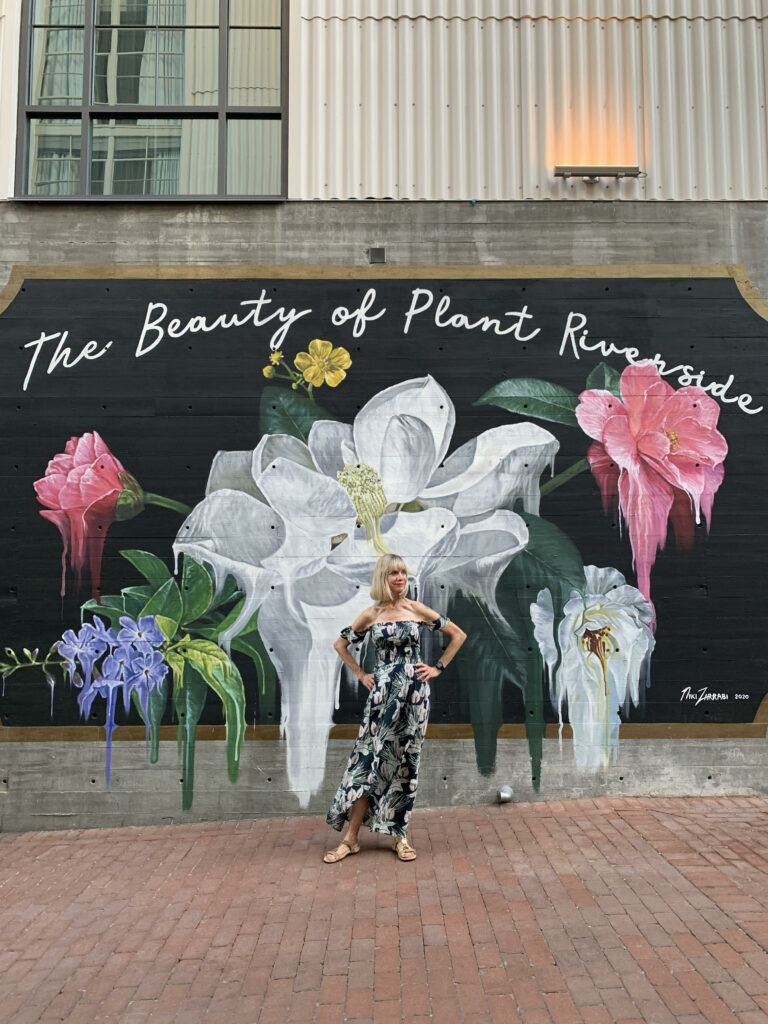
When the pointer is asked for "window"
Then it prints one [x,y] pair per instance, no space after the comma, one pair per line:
[153,98]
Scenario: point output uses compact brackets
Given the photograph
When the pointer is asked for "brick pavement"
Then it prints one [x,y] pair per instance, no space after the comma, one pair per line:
[582,912]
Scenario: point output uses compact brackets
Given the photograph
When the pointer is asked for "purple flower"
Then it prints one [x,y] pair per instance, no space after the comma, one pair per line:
[84,647]
[146,671]
[130,660]
[145,633]
[102,632]
[117,664]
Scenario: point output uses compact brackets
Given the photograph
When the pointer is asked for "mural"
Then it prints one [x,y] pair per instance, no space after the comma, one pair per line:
[528,472]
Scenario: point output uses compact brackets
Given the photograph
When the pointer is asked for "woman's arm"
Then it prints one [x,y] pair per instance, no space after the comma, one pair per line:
[341,645]
[455,633]
[457,637]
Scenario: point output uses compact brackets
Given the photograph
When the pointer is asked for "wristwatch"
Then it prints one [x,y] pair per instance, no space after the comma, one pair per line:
[439,666]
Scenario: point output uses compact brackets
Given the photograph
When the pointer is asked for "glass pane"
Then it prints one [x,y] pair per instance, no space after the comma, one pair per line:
[188,66]
[157,12]
[254,67]
[156,66]
[54,157]
[59,12]
[57,66]
[125,12]
[254,12]
[187,12]
[125,65]
[253,157]
[152,157]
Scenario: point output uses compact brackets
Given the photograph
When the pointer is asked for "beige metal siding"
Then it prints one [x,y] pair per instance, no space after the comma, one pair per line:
[480,99]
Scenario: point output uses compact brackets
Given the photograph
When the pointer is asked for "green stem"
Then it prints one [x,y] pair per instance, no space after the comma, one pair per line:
[565,476]
[174,506]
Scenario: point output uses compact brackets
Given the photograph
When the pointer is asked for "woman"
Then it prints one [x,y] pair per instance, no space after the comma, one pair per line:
[379,785]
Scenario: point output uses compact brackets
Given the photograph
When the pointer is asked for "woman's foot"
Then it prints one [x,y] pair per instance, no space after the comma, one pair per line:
[403,849]
[346,847]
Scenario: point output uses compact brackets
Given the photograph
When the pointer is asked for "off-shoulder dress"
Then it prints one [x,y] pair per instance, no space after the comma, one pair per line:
[384,763]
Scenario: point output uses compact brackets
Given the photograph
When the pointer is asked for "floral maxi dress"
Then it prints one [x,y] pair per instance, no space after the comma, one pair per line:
[384,764]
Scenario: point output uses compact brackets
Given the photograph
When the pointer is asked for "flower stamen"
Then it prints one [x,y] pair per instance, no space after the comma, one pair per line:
[674,440]
[363,484]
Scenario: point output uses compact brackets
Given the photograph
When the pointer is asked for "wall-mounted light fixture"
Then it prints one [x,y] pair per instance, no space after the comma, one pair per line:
[593,173]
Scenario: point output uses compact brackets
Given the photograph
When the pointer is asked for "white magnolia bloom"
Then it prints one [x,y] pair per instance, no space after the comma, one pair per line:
[300,526]
[604,643]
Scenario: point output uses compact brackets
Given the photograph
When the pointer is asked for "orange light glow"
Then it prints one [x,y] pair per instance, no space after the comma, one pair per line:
[606,136]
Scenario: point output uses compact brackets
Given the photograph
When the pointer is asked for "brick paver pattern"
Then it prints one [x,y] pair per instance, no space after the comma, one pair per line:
[581,912]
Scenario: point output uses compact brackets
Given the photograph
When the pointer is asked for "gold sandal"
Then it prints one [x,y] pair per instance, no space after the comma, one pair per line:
[403,849]
[344,849]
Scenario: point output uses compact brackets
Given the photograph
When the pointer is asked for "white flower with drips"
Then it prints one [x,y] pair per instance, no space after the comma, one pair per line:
[299,526]
[603,649]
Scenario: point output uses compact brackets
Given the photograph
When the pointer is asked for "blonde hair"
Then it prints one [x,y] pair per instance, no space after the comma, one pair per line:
[380,591]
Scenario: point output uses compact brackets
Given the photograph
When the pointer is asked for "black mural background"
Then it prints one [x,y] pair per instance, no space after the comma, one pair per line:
[165,415]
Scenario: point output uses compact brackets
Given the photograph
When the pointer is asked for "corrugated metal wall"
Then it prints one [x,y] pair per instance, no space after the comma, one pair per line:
[480,99]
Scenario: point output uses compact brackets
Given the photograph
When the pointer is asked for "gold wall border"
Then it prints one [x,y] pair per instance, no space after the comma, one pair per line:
[20,273]
[758,729]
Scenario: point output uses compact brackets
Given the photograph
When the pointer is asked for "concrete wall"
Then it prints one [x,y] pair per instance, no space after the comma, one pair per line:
[415,234]
[61,785]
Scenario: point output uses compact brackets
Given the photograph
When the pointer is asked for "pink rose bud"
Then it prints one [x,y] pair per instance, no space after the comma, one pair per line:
[86,489]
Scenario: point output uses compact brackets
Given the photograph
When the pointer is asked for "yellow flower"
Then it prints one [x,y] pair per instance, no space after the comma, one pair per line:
[276,357]
[268,371]
[323,364]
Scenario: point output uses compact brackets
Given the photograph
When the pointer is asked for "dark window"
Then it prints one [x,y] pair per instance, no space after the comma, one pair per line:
[131,98]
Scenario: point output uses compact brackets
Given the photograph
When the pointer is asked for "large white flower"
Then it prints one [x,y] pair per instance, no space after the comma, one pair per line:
[299,526]
[605,642]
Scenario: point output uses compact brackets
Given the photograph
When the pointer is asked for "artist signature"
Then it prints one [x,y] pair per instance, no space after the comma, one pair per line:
[702,694]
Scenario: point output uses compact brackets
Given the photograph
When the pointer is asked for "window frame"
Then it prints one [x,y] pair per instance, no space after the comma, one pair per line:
[88,112]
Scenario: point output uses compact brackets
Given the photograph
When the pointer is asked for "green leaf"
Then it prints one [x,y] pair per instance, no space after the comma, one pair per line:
[532,398]
[165,605]
[152,568]
[605,378]
[283,411]
[134,599]
[251,644]
[226,621]
[504,651]
[220,673]
[189,695]
[551,559]
[196,590]
[229,591]
[111,608]
[496,650]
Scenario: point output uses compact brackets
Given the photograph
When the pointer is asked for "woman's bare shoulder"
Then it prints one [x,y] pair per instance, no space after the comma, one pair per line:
[423,612]
[365,619]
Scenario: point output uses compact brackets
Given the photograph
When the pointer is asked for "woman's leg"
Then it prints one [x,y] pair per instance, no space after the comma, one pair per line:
[356,815]
[349,840]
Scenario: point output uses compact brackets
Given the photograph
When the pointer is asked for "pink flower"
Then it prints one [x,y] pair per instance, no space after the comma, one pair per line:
[659,452]
[84,490]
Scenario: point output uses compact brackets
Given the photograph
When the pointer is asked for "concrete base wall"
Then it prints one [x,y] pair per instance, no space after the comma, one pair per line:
[534,233]
[61,785]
